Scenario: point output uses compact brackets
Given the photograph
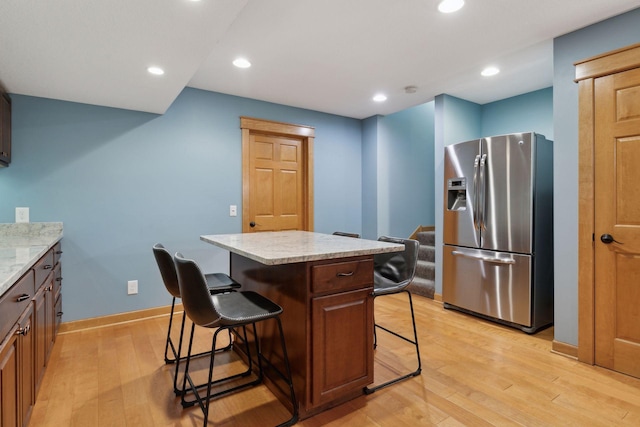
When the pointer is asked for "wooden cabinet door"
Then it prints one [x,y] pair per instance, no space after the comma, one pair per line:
[9,380]
[617,211]
[26,345]
[342,341]
[40,335]
[5,129]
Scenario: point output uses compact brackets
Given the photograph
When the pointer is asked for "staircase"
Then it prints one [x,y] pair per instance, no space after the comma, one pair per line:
[424,281]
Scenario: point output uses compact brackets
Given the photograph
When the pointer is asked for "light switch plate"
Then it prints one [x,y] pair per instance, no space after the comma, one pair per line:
[22,215]
[233,210]
[132,287]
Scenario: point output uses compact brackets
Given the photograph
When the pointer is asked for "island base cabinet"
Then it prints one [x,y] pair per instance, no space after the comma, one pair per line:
[328,326]
[342,355]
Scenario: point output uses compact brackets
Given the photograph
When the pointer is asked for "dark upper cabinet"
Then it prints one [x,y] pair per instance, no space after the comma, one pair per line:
[5,129]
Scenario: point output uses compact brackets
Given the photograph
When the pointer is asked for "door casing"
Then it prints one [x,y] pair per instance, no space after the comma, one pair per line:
[250,126]
[586,72]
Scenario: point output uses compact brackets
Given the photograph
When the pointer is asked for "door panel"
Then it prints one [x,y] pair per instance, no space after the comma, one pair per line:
[491,283]
[460,194]
[506,213]
[276,188]
[617,212]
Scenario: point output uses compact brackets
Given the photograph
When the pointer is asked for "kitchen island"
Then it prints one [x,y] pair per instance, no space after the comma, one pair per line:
[323,283]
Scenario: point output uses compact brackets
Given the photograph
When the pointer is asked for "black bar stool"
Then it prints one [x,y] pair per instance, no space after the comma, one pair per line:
[392,273]
[216,283]
[224,312]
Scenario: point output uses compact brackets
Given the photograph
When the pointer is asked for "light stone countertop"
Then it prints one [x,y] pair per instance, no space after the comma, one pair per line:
[286,247]
[21,246]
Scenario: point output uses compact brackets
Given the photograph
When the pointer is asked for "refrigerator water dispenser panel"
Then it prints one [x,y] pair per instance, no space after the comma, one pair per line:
[457,194]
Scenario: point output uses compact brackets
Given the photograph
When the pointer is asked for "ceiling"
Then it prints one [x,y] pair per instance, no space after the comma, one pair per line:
[329,55]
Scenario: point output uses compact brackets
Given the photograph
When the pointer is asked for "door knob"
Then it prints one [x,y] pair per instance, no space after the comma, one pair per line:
[608,238]
[252,224]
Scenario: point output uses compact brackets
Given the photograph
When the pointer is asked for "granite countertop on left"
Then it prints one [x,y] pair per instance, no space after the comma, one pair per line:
[21,246]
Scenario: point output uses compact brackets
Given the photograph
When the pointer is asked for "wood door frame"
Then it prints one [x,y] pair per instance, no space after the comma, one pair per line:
[587,71]
[249,126]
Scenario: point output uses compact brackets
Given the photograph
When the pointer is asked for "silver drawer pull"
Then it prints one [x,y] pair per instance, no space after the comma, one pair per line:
[485,258]
[23,297]
[345,274]
[48,267]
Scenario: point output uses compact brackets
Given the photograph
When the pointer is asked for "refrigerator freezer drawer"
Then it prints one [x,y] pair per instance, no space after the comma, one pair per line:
[495,284]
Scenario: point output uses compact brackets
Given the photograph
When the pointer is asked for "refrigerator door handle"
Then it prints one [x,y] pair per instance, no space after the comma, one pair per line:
[482,197]
[474,213]
[485,258]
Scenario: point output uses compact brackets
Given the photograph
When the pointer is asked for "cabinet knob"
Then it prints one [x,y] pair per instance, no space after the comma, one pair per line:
[48,267]
[58,252]
[24,331]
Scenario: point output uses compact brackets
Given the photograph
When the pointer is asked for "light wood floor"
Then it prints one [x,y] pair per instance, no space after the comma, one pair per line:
[475,373]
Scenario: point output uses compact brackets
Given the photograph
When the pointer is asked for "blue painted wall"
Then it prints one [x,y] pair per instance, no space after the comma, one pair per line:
[602,37]
[123,180]
[405,170]
[532,111]
[370,178]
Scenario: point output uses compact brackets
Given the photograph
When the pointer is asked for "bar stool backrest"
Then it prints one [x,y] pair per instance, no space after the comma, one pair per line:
[196,298]
[397,269]
[167,269]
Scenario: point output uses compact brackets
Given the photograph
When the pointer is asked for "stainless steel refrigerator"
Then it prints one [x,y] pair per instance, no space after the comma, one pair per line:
[498,229]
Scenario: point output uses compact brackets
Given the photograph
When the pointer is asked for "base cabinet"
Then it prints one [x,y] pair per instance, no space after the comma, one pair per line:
[10,380]
[341,351]
[26,346]
[328,326]
[16,373]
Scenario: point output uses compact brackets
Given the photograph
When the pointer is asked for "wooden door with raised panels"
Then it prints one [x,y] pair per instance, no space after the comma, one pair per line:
[276,170]
[277,166]
[617,221]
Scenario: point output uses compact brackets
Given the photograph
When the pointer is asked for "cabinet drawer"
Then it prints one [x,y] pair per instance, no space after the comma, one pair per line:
[341,276]
[43,268]
[15,301]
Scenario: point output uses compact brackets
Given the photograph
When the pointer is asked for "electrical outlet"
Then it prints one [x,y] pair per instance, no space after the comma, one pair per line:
[132,287]
[22,214]
[233,210]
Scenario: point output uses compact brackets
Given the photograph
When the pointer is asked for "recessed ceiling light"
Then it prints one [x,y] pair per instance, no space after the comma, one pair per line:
[490,71]
[156,71]
[380,98]
[448,6]
[241,63]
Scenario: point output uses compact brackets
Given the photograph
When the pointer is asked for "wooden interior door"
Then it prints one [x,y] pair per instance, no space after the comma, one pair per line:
[617,221]
[276,169]
[277,177]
